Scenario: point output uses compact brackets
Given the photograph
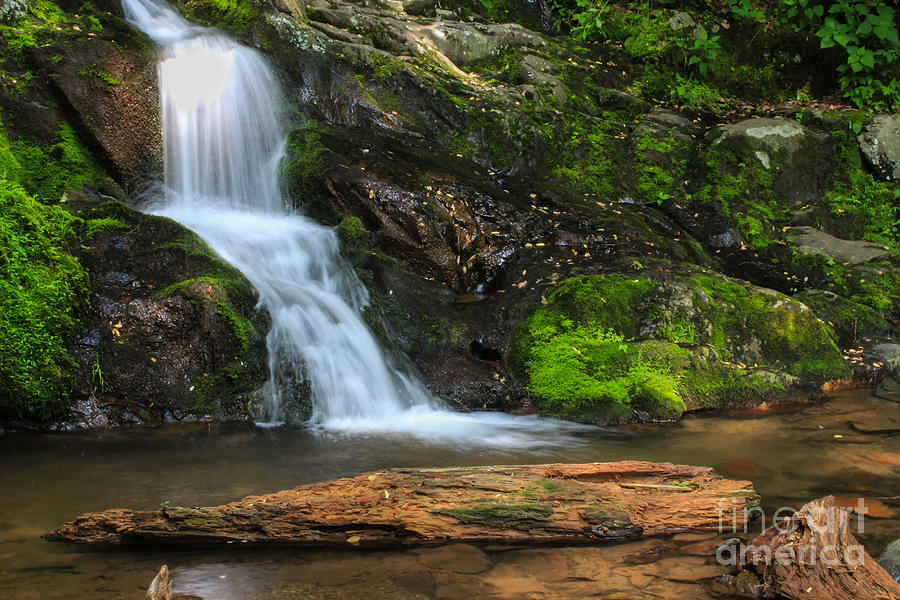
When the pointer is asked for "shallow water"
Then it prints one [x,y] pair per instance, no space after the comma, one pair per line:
[791,455]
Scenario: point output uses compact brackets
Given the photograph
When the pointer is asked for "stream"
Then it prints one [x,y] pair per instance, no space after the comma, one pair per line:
[792,454]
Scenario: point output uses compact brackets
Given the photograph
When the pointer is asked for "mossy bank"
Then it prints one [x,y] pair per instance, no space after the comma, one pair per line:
[649,346]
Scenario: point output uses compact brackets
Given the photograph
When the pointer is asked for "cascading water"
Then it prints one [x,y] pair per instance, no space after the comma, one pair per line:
[224,138]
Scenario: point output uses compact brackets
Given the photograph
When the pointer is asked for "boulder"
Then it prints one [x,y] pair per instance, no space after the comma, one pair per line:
[171,332]
[652,344]
[880,144]
[113,90]
[793,155]
[810,240]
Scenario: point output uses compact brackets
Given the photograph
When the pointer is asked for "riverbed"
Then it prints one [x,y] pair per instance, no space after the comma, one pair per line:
[791,454]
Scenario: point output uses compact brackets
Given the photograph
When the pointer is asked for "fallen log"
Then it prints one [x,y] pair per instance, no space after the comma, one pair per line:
[572,503]
[814,556]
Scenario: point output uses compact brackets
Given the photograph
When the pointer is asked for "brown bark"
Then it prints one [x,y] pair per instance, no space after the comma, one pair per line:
[816,557]
[573,503]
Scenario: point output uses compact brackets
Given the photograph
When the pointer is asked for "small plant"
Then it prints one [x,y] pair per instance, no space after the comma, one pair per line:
[590,21]
[97,375]
[704,51]
[679,332]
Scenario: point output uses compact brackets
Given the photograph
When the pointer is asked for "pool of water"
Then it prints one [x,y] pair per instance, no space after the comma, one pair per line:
[791,454]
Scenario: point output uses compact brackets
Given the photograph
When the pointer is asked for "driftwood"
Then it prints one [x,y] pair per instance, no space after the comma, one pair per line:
[816,557]
[572,503]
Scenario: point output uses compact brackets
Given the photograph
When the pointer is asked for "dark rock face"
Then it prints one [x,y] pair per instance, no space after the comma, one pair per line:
[171,332]
[115,96]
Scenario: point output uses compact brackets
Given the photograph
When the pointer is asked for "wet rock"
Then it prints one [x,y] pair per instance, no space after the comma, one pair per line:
[888,354]
[890,560]
[852,322]
[880,144]
[888,389]
[170,328]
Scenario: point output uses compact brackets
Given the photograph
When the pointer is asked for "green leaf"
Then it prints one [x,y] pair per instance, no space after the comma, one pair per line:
[867,59]
[842,38]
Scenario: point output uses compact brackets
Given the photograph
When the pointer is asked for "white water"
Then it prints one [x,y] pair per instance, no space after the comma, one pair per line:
[224,138]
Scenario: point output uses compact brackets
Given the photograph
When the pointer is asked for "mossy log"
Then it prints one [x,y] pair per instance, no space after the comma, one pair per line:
[571,503]
[815,557]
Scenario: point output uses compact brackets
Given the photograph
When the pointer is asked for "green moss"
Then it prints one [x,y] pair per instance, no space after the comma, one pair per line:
[103,76]
[851,322]
[306,160]
[234,16]
[41,291]
[9,165]
[661,164]
[860,206]
[209,390]
[441,331]
[47,171]
[498,512]
[877,285]
[791,338]
[577,361]
[747,191]
[352,233]
[221,290]
[460,145]
[589,353]
[105,225]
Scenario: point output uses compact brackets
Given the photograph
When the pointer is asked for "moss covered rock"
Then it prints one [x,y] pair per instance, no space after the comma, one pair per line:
[615,347]
[170,331]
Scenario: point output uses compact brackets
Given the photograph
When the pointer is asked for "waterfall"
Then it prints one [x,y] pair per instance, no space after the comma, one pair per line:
[224,137]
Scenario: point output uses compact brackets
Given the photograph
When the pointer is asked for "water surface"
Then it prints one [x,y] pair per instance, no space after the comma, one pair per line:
[791,455]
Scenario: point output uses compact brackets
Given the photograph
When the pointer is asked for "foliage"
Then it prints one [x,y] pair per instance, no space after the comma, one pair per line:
[41,290]
[866,33]
[590,19]
[704,51]
[697,95]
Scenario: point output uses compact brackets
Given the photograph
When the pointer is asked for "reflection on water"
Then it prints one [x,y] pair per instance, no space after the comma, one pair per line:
[791,456]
